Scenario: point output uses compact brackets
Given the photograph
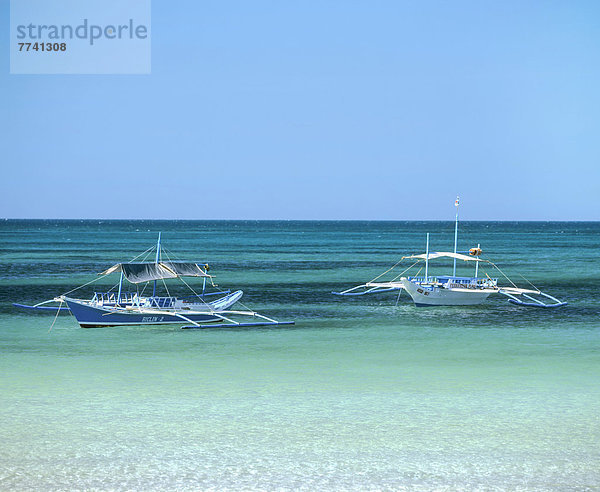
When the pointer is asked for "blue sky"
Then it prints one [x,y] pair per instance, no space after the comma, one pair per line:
[320,110]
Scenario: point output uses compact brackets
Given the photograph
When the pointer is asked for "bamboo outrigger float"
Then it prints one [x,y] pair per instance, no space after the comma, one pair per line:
[120,308]
[451,290]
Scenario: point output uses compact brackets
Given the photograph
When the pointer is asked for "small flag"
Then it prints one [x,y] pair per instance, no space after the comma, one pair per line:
[456,201]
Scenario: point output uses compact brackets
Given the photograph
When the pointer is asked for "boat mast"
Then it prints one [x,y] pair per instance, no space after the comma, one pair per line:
[157,260]
[427,259]
[477,262]
[455,234]
[120,287]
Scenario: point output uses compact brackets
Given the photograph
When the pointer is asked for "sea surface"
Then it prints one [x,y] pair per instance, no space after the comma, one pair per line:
[365,393]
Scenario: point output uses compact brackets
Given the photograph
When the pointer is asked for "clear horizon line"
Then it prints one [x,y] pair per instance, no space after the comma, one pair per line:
[288,220]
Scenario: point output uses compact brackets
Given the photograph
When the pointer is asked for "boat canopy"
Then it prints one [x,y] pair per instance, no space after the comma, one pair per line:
[443,254]
[145,272]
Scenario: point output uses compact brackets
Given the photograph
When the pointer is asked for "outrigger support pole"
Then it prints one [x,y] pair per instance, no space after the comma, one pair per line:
[239,325]
[372,289]
[235,324]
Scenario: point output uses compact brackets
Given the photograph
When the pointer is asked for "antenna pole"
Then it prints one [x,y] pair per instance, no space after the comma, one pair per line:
[455,235]
[157,260]
[477,262]
[427,259]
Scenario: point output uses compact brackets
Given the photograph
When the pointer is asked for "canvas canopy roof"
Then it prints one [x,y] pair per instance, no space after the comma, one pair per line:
[443,254]
[145,272]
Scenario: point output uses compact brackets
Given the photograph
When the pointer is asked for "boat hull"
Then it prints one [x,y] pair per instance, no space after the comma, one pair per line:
[90,316]
[440,296]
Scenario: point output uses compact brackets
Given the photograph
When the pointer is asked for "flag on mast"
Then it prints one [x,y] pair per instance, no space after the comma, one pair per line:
[456,201]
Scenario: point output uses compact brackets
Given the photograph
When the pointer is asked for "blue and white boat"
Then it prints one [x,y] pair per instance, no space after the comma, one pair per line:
[118,307]
[451,290]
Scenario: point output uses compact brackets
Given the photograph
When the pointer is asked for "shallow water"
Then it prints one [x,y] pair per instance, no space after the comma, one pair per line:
[359,394]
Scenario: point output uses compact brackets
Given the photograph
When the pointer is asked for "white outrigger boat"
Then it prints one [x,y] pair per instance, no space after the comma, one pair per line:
[119,308]
[451,290]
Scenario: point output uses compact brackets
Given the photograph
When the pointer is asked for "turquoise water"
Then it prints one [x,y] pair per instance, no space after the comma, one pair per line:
[359,394]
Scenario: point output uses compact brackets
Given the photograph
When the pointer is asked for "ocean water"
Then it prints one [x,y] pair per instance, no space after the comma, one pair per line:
[361,394]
